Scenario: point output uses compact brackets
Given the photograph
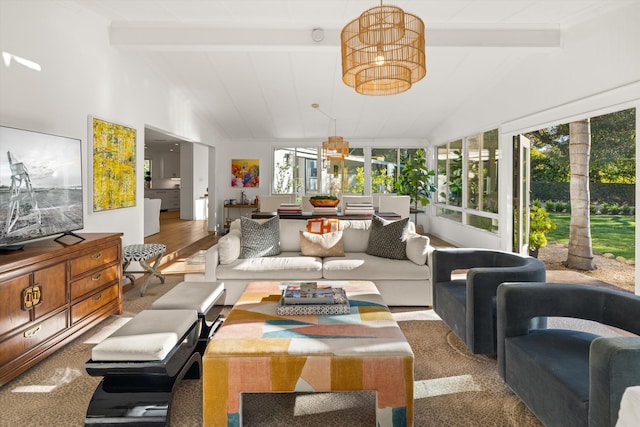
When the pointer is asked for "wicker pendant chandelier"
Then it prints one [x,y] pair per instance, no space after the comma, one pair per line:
[335,147]
[383,51]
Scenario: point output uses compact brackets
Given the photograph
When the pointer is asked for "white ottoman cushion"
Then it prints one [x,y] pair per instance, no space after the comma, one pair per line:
[150,335]
[197,296]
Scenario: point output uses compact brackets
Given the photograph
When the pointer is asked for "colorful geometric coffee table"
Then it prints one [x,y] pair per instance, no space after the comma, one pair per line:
[258,351]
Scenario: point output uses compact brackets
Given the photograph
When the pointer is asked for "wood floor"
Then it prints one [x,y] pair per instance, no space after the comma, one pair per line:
[182,237]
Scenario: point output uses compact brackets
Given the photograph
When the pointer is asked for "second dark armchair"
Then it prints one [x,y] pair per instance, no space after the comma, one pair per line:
[468,304]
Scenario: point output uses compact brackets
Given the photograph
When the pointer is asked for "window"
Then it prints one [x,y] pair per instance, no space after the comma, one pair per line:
[147,173]
[386,164]
[467,180]
[295,170]
[304,171]
[482,172]
[384,169]
[449,173]
[343,176]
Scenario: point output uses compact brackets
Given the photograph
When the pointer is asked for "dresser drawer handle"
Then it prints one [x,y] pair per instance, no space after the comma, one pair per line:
[37,295]
[97,297]
[32,332]
[97,255]
[96,276]
[27,298]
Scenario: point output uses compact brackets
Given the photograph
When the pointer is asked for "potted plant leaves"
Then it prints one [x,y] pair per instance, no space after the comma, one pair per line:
[416,180]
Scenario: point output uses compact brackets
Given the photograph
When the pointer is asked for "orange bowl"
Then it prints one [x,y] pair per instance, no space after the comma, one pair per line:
[324,203]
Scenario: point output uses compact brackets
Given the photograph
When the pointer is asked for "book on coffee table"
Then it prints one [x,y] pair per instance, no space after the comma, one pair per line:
[340,305]
[308,293]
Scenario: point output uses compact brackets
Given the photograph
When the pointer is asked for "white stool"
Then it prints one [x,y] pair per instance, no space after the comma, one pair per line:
[198,296]
[142,254]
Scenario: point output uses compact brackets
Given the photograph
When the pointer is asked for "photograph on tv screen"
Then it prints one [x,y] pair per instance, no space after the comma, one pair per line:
[40,185]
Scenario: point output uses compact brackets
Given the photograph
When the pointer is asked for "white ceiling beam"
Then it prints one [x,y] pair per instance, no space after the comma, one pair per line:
[171,37]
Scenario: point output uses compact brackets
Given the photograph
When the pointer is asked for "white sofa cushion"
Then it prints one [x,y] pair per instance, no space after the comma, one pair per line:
[235,225]
[418,248]
[286,265]
[359,265]
[356,235]
[229,246]
[290,234]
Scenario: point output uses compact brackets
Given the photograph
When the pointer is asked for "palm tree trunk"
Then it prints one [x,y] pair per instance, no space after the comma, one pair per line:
[580,250]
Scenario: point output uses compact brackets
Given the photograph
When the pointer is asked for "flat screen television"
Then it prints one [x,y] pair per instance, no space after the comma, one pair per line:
[40,186]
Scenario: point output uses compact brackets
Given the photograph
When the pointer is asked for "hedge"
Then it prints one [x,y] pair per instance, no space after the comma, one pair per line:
[620,194]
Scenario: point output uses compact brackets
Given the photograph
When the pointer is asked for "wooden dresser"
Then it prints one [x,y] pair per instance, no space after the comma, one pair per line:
[50,292]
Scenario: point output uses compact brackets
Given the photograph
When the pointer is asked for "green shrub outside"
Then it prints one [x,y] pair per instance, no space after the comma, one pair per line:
[599,192]
[595,209]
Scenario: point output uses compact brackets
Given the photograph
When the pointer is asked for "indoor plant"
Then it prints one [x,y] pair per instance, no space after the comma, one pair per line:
[416,180]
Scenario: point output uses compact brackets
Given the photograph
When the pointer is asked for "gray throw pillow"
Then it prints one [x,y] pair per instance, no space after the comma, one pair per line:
[388,239]
[258,239]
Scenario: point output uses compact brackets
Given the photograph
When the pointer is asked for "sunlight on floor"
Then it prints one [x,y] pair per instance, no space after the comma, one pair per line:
[316,403]
[196,258]
[415,315]
[184,266]
[442,386]
[60,377]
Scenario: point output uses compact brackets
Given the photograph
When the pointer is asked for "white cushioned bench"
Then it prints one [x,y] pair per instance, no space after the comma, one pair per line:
[207,298]
[142,362]
[149,336]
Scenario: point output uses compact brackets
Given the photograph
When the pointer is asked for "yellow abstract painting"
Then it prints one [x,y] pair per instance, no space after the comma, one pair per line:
[114,166]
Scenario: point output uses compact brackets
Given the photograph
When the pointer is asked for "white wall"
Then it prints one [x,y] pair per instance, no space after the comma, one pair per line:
[201,170]
[81,76]
[196,169]
[187,201]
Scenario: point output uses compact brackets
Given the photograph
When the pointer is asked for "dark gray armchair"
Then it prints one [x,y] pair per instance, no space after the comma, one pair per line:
[568,377]
[467,305]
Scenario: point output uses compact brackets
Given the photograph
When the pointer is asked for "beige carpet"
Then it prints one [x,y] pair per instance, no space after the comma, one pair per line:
[453,387]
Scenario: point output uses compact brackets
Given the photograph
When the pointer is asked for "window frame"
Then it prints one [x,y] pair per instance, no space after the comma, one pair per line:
[474,216]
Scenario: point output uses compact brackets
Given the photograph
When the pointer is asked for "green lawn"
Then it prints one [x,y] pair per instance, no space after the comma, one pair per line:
[609,233]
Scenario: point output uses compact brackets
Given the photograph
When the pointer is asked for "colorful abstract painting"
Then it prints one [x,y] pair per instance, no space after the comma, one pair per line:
[245,173]
[114,166]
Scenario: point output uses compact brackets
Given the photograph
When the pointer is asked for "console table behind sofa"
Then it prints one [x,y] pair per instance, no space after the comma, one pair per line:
[390,216]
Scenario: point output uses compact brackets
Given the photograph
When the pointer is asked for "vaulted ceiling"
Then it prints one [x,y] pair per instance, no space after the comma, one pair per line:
[252,68]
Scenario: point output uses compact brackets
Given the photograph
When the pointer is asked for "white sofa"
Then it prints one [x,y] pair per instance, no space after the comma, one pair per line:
[401,282]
